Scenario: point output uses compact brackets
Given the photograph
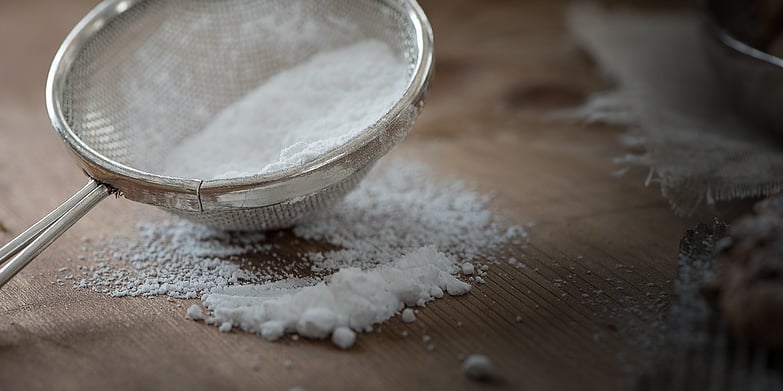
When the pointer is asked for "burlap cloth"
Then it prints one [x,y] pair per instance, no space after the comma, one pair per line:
[681,124]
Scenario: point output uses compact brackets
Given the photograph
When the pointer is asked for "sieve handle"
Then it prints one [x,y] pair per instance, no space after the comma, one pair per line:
[21,250]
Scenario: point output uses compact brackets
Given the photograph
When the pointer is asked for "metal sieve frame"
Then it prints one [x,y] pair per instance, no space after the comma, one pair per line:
[191,195]
[264,201]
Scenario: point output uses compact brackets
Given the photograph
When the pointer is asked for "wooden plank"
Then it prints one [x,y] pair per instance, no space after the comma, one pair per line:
[600,261]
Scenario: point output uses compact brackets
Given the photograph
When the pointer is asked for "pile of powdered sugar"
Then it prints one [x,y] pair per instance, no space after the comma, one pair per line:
[351,297]
[400,239]
[296,116]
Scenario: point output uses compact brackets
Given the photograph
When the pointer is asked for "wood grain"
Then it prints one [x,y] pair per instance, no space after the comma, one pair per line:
[600,260]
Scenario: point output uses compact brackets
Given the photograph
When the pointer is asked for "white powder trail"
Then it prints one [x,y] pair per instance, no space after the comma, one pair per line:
[350,298]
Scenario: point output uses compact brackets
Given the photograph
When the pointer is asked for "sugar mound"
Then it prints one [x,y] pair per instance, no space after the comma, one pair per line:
[350,298]
[296,116]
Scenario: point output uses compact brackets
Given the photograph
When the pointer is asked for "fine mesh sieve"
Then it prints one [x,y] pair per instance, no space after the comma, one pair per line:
[136,77]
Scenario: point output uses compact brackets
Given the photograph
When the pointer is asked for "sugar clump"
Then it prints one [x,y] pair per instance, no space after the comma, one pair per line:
[343,337]
[478,367]
[408,316]
[194,312]
[272,331]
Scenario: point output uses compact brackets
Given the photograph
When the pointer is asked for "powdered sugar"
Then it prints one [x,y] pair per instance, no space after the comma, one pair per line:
[194,312]
[399,240]
[350,298]
[404,207]
[174,258]
[296,116]
[408,316]
[343,337]
[478,367]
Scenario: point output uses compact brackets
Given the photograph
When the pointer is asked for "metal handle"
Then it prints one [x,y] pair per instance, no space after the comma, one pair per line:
[35,239]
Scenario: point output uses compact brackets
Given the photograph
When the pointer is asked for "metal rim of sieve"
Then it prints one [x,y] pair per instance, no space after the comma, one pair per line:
[195,195]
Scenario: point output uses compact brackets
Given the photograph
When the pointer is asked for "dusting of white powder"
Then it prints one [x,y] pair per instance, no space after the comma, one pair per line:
[400,239]
[401,208]
[296,116]
[177,258]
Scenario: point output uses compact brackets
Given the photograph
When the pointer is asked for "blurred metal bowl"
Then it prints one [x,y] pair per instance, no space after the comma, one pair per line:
[752,76]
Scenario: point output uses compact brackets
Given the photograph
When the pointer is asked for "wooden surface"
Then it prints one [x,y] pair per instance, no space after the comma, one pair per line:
[600,260]
[701,352]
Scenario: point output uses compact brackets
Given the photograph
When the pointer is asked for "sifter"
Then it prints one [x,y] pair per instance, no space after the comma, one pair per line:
[142,75]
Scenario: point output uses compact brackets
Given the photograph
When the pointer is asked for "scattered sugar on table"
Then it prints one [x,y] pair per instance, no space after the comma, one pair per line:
[375,224]
[445,223]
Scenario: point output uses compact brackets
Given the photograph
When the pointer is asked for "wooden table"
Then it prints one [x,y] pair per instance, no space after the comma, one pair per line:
[592,301]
